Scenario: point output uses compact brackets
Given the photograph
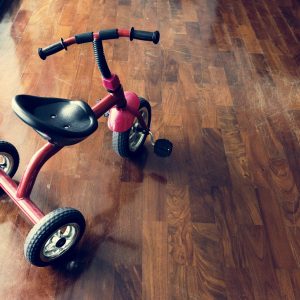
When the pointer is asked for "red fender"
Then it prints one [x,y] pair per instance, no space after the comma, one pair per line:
[120,120]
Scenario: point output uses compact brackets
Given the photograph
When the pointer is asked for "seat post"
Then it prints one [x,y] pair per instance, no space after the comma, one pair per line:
[33,168]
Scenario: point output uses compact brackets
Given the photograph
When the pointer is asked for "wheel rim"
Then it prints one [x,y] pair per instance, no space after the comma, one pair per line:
[136,137]
[60,242]
[6,162]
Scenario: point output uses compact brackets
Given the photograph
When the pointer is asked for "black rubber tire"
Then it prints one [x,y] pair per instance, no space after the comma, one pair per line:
[8,148]
[120,140]
[43,230]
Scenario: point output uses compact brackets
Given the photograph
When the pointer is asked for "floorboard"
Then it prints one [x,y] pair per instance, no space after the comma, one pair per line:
[220,218]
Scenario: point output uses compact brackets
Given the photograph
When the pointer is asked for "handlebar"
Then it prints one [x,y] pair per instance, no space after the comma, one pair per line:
[144,35]
[52,49]
[101,35]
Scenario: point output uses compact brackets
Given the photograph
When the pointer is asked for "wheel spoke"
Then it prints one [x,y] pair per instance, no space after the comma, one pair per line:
[131,136]
[59,233]
[48,242]
[67,233]
[51,242]
[52,251]
[3,166]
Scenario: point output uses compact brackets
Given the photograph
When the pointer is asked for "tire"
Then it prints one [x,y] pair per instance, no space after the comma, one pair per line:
[43,246]
[9,159]
[121,140]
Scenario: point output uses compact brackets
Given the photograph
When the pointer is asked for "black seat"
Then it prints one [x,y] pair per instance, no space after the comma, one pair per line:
[60,121]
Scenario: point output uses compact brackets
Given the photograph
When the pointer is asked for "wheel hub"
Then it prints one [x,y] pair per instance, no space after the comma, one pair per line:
[6,162]
[60,242]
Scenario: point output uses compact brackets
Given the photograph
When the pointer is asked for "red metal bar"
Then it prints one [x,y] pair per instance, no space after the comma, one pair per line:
[96,35]
[70,41]
[112,83]
[124,32]
[104,105]
[33,168]
[31,211]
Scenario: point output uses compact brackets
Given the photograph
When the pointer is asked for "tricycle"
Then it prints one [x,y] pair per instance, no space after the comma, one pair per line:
[64,122]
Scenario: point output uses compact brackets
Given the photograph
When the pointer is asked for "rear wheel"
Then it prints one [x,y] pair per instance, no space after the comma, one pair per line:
[131,142]
[9,159]
[54,236]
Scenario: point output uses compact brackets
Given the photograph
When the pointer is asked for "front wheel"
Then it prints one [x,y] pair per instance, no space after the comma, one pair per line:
[54,236]
[130,142]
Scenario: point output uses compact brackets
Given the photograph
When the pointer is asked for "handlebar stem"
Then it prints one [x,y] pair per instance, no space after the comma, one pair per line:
[112,83]
[100,58]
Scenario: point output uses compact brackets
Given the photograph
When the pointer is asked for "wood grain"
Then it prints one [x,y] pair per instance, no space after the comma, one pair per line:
[220,218]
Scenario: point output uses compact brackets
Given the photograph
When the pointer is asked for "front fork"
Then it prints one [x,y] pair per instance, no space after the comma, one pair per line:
[122,115]
[162,147]
[127,103]
[136,113]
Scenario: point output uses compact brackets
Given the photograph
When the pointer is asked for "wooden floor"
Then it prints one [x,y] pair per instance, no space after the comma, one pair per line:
[220,218]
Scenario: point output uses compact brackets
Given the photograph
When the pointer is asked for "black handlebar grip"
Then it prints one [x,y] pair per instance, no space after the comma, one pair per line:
[52,49]
[144,35]
[109,34]
[84,37]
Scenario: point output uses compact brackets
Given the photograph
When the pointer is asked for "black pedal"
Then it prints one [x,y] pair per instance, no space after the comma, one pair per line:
[163,148]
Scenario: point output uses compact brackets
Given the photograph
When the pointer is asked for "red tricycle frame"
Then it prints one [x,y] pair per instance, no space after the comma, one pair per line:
[20,194]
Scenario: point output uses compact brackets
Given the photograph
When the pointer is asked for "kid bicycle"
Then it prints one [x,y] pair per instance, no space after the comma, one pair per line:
[64,122]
